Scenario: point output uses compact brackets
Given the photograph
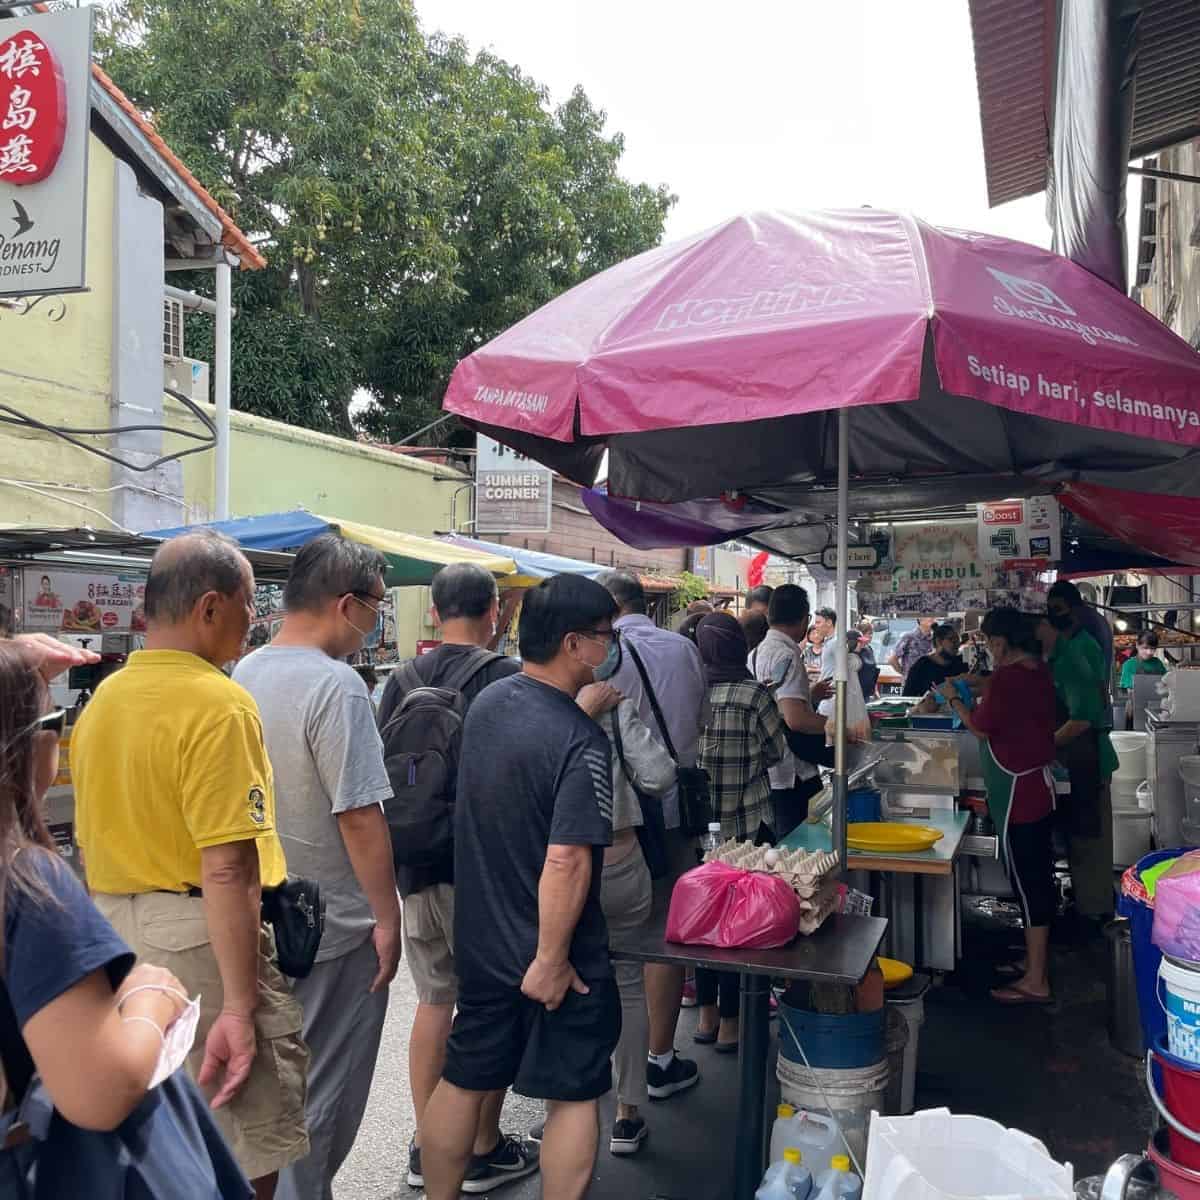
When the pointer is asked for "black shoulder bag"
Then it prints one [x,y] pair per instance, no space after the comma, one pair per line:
[652,832]
[695,802]
[295,910]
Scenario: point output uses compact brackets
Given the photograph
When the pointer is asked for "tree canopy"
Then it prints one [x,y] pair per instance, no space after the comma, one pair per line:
[413,199]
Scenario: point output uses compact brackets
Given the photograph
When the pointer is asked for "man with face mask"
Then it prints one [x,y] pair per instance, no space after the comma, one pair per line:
[330,782]
[538,1007]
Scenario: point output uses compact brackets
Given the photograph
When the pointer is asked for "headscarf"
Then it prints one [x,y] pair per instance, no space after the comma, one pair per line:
[722,645]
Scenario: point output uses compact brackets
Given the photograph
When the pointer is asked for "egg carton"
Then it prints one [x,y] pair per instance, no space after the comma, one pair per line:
[813,919]
[804,870]
[820,898]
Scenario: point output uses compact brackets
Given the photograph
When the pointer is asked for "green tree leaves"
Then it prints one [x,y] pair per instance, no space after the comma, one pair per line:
[413,200]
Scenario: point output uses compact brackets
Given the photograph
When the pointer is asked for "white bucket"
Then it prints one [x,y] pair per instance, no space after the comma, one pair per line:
[1180,998]
[1131,834]
[1131,753]
[1125,792]
[848,1094]
[935,1155]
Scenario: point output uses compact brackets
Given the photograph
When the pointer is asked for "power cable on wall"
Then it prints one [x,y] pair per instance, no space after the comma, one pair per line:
[73,434]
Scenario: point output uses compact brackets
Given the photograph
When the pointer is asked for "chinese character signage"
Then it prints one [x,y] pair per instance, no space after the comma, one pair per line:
[1020,532]
[74,602]
[513,493]
[45,74]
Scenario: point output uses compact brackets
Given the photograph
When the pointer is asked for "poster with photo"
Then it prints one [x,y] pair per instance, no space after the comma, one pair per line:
[79,602]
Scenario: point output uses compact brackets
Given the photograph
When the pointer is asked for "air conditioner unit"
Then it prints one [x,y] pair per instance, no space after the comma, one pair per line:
[172,329]
[188,376]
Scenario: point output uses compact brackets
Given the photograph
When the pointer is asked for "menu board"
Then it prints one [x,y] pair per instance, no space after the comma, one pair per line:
[83,603]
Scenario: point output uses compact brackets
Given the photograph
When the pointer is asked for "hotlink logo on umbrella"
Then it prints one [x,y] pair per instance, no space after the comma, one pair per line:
[1029,291]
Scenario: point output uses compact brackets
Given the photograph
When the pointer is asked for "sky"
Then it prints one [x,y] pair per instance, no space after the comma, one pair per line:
[752,104]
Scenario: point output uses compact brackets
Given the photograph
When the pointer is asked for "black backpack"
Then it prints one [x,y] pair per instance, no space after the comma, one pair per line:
[422,741]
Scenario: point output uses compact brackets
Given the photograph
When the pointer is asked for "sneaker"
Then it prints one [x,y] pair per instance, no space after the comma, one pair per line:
[414,1179]
[628,1136]
[689,994]
[662,1082]
[510,1160]
[536,1134]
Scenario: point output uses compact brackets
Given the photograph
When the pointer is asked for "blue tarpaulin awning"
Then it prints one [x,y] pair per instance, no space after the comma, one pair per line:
[274,531]
[532,565]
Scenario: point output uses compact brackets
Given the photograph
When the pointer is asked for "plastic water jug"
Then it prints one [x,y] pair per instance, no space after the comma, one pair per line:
[838,1182]
[814,1135]
[786,1180]
[781,1131]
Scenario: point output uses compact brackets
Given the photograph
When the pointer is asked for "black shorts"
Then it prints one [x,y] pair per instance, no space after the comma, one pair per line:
[501,1039]
[1030,863]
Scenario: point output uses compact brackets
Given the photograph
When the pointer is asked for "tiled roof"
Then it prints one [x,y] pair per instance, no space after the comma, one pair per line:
[231,237]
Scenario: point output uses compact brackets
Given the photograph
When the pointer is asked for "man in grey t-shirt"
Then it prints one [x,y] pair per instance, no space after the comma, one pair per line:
[330,782]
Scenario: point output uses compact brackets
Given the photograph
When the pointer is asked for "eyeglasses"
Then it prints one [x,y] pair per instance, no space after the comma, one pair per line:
[366,598]
[613,635]
[54,722]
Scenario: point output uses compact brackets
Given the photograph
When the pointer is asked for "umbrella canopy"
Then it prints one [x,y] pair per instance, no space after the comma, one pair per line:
[532,565]
[411,559]
[718,364]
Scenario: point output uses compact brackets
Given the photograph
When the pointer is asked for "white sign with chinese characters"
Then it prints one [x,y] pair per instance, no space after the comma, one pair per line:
[513,493]
[45,77]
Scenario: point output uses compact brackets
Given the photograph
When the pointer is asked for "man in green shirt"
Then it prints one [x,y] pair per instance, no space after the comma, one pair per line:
[1085,750]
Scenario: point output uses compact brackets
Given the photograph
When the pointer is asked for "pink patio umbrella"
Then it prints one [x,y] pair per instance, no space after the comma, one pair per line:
[729,364]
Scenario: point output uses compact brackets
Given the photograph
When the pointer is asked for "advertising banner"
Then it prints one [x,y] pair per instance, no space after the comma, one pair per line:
[929,556]
[513,493]
[45,75]
[83,603]
[1019,532]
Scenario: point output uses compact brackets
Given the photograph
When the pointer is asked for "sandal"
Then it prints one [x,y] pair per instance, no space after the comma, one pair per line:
[704,1039]
[1014,997]
[726,1047]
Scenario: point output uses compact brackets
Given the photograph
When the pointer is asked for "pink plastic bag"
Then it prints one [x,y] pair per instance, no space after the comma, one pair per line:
[1177,909]
[719,905]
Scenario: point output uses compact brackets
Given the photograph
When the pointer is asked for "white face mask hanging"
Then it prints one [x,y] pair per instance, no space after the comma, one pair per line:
[177,1043]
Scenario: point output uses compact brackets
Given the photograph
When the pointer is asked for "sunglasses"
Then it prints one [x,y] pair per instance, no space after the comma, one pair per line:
[54,722]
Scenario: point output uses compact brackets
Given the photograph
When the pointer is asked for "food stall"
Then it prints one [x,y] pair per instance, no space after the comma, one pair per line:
[87,587]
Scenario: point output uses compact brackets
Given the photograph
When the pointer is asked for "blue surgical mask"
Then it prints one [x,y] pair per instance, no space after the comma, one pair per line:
[611,664]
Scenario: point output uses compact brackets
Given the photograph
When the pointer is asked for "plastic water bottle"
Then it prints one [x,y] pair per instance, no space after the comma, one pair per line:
[838,1182]
[711,841]
[781,1132]
[786,1180]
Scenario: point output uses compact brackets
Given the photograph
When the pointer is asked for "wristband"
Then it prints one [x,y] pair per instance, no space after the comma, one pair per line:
[228,1012]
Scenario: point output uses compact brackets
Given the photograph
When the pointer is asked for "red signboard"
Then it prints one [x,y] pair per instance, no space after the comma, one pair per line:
[1012,513]
[33,108]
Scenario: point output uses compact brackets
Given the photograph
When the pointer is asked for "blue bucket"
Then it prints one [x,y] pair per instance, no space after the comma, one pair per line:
[831,1039]
[863,804]
[1146,955]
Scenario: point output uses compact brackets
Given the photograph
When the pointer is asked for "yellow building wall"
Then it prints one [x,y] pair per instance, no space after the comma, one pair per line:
[276,467]
[61,373]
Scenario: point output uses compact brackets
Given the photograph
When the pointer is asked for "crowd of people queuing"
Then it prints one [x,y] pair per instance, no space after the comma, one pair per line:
[206,802]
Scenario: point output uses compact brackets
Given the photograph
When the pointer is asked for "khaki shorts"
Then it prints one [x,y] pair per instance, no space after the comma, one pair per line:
[429,943]
[264,1123]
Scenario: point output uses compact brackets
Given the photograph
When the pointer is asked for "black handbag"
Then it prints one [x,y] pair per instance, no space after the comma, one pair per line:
[695,799]
[652,832]
[296,911]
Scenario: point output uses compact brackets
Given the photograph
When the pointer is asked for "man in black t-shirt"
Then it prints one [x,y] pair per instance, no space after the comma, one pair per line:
[466,607]
[935,668]
[537,1002]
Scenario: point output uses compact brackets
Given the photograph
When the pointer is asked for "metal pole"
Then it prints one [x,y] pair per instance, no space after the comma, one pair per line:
[221,388]
[840,776]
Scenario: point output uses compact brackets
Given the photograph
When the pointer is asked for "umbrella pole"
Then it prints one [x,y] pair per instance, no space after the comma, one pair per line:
[840,777]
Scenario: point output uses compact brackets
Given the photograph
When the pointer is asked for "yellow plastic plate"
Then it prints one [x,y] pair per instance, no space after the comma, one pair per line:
[894,971]
[884,837]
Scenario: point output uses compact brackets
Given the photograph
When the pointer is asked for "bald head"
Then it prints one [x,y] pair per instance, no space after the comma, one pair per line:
[187,568]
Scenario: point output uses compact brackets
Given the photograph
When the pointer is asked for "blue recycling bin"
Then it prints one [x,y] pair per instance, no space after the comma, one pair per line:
[1146,955]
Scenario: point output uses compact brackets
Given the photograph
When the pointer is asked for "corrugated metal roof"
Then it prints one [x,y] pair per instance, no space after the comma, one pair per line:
[1014,68]
[1011,69]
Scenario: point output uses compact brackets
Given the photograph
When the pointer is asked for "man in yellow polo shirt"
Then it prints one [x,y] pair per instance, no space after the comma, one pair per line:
[175,815]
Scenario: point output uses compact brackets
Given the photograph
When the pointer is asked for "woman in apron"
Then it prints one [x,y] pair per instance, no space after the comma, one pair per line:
[1015,720]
